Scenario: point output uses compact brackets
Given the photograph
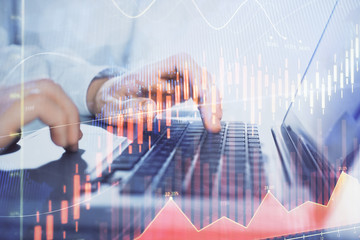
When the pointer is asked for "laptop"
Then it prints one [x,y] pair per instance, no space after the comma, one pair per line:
[117,187]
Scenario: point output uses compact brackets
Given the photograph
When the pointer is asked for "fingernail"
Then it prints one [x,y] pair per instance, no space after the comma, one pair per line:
[213,126]
[215,129]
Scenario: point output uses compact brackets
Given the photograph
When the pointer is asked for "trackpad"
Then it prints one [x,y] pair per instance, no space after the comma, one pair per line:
[37,149]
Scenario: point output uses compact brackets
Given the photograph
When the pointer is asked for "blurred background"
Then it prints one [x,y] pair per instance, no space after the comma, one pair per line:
[256,50]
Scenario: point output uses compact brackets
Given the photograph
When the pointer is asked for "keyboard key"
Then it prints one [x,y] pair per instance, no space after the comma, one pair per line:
[254,145]
[122,166]
[253,140]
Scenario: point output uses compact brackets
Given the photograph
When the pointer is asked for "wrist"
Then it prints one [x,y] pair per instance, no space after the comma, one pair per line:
[92,91]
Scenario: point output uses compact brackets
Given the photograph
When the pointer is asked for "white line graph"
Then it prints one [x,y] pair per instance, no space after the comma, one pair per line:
[135,16]
[226,23]
[271,22]
[217,28]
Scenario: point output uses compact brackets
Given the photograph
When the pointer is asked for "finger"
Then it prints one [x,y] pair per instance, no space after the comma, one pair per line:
[69,110]
[121,90]
[171,75]
[166,78]
[140,111]
[128,86]
[205,90]
[198,81]
[52,115]
[8,127]
[210,110]
[39,106]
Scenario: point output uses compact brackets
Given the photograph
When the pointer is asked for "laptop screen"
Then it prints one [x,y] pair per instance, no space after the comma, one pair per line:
[325,113]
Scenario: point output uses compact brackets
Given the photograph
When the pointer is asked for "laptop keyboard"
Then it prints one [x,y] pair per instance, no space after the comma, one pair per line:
[185,155]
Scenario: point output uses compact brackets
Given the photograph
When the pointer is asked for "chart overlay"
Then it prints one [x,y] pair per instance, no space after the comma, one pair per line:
[270,220]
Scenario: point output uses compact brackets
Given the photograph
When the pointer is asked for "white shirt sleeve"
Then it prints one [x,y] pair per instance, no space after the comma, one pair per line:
[73,74]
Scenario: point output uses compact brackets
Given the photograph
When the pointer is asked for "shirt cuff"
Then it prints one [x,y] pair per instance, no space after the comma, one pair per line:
[76,84]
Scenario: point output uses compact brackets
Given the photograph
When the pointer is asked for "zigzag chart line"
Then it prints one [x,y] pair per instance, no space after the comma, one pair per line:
[347,187]
[217,28]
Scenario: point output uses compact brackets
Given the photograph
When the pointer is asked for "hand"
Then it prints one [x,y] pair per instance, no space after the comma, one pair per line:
[42,99]
[148,90]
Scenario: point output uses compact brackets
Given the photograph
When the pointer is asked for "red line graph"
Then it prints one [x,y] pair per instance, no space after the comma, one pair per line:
[271,219]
